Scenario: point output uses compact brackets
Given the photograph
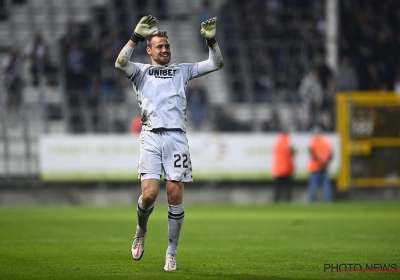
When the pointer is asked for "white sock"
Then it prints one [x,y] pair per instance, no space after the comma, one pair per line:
[176,215]
[143,215]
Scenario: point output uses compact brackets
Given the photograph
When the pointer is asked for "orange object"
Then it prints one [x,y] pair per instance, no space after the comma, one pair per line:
[321,153]
[136,125]
[282,162]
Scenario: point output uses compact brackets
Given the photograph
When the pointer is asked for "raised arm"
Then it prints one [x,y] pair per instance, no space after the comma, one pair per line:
[122,62]
[142,30]
[214,61]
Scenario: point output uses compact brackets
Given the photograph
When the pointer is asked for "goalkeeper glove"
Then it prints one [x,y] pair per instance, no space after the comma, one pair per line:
[143,29]
[208,31]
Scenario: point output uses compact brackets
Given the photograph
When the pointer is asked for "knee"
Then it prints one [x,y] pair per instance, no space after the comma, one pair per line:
[174,198]
[175,193]
[148,198]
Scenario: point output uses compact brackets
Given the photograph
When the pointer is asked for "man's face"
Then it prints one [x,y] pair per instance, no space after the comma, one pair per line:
[159,50]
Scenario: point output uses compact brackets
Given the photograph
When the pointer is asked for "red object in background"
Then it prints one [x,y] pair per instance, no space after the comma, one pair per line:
[136,125]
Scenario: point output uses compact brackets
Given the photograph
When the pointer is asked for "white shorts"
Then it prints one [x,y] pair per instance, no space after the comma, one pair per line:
[165,151]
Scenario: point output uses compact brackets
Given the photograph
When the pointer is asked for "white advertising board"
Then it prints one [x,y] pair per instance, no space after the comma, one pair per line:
[215,156]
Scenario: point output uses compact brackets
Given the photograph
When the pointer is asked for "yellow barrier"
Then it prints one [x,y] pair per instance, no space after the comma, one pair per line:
[369,126]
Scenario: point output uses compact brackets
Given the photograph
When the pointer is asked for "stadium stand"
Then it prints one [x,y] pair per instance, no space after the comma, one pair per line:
[267,65]
[260,82]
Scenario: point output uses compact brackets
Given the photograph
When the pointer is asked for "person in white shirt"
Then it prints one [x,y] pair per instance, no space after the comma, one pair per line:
[160,91]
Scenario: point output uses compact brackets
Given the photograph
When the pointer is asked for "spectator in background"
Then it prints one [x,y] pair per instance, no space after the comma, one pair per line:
[264,86]
[110,80]
[92,54]
[321,152]
[325,74]
[311,94]
[77,82]
[196,97]
[367,75]
[346,78]
[12,71]
[111,91]
[292,68]
[114,41]
[370,32]
[385,56]
[283,167]
[41,64]
[326,77]
[65,41]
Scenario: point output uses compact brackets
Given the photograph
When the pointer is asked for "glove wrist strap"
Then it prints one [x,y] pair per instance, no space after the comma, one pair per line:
[137,38]
[211,42]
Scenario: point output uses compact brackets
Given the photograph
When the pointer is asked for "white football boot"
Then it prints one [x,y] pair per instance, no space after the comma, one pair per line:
[170,263]
[138,246]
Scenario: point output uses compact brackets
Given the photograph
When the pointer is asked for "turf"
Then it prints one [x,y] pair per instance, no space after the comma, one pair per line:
[275,241]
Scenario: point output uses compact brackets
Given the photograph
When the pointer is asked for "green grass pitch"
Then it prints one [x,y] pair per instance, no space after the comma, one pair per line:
[274,241]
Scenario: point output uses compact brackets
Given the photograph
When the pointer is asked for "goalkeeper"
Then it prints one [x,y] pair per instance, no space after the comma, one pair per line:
[160,92]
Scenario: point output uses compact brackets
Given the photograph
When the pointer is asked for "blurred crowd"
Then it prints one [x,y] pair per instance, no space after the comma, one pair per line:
[92,84]
[284,45]
[85,67]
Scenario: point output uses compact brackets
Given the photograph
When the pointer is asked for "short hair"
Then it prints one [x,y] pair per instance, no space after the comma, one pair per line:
[158,33]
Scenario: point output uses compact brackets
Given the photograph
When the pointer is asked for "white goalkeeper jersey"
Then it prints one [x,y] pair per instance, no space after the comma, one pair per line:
[160,90]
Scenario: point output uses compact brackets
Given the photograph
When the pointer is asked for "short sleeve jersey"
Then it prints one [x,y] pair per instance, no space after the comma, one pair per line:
[160,93]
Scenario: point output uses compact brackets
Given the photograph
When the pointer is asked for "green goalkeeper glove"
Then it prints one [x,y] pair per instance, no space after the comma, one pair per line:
[143,29]
[208,31]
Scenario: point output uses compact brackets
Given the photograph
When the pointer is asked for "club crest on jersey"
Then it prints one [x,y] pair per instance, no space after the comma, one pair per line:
[162,73]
